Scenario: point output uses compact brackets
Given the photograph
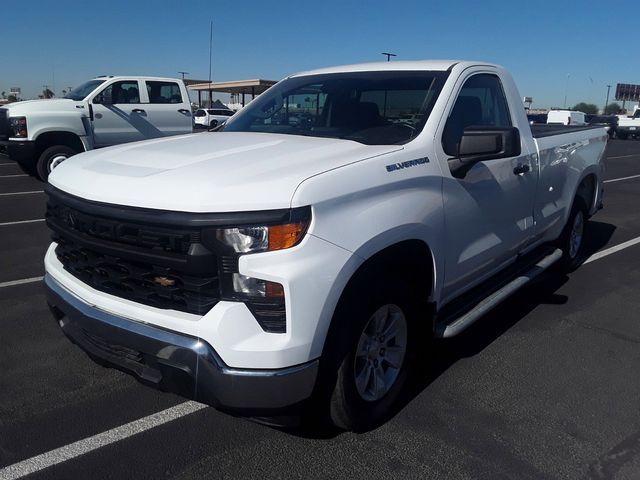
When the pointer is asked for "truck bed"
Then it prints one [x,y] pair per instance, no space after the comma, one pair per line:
[541,130]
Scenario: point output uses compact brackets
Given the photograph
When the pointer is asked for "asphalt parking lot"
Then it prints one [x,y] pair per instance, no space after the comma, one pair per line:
[545,386]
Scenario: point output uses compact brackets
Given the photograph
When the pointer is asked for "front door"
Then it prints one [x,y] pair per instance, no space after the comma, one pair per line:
[119,115]
[488,212]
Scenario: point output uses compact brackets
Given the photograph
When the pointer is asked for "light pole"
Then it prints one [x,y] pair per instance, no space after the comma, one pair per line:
[389,55]
[183,74]
[566,87]
[604,111]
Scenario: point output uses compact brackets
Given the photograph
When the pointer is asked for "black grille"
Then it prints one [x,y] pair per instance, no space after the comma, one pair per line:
[4,124]
[165,267]
[145,236]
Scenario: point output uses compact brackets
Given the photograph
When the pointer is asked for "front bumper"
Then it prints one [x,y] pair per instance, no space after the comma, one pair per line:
[178,363]
[23,152]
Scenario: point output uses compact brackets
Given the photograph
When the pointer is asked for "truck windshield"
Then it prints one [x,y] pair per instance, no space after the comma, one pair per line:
[374,108]
[80,92]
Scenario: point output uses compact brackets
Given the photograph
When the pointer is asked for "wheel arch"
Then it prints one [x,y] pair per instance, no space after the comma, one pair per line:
[58,137]
[587,190]
[413,259]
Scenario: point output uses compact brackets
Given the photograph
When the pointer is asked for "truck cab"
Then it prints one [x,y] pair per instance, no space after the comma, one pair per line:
[104,111]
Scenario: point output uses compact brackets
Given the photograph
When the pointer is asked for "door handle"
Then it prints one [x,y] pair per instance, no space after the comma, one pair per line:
[184,110]
[138,110]
[521,168]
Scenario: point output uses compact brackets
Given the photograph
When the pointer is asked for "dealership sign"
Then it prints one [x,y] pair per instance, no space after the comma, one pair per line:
[626,91]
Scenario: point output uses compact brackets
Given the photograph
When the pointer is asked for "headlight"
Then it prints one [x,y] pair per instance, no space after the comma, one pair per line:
[264,298]
[18,127]
[263,238]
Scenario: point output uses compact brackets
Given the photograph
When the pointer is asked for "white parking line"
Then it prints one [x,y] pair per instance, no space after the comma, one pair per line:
[621,178]
[613,249]
[21,193]
[81,447]
[20,282]
[22,221]
[623,156]
[10,163]
[13,176]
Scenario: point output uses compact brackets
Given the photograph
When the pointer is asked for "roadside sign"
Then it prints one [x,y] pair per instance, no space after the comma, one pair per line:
[626,91]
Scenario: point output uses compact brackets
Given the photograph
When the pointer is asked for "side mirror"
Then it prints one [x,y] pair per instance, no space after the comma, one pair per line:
[481,143]
[485,143]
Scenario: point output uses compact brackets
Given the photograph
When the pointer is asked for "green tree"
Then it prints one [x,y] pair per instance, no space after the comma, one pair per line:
[612,109]
[12,98]
[4,94]
[46,93]
[589,108]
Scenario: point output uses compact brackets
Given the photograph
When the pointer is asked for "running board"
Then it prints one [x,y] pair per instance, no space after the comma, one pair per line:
[451,326]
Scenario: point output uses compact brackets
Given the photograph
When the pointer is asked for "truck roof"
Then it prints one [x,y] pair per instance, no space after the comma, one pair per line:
[126,77]
[428,65]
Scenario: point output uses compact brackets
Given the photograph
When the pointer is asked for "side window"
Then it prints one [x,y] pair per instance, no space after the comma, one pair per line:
[481,102]
[119,93]
[164,92]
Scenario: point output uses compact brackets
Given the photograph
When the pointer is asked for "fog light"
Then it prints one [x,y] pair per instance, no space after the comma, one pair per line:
[255,287]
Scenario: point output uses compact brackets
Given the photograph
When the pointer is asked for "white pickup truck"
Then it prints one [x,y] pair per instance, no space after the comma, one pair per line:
[628,126]
[40,134]
[275,265]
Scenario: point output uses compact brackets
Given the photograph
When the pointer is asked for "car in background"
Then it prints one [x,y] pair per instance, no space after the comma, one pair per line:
[609,122]
[629,126]
[537,118]
[109,110]
[211,117]
[566,117]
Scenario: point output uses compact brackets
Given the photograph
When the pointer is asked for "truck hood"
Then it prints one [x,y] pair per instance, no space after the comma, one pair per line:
[207,172]
[32,106]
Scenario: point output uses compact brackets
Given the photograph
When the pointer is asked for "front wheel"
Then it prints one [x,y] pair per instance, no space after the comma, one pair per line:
[374,368]
[50,158]
[622,135]
[214,123]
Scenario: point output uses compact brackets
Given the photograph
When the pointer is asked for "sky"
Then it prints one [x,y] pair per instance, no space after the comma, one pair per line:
[552,48]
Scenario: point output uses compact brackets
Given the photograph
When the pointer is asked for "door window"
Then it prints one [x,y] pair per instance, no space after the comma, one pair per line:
[481,103]
[119,93]
[164,92]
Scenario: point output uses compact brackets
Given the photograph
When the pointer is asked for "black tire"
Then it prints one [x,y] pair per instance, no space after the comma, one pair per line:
[348,409]
[622,135]
[43,167]
[572,253]
[213,124]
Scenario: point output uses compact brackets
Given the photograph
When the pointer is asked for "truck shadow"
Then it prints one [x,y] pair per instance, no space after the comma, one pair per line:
[543,290]
[438,356]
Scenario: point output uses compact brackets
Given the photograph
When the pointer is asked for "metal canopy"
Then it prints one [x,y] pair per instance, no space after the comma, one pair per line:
[237,88]
[255,87]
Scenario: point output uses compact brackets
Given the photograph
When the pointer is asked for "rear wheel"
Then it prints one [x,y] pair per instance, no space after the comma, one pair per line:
[374,366]
[572,238]
[50,158]
[214,123]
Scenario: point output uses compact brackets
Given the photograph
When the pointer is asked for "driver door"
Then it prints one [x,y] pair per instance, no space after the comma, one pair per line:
[489,210]
[119,115]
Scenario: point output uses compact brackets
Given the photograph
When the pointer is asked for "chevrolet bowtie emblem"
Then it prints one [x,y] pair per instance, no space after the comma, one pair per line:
[164,281]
